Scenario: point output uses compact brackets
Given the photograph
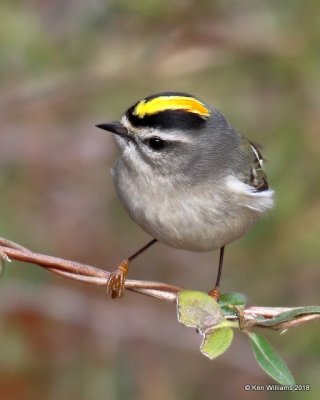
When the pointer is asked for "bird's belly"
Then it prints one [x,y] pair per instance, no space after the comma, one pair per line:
[183,218]
[191,228]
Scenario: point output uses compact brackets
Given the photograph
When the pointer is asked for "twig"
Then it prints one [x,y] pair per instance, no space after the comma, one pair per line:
[84,273]
[97,276]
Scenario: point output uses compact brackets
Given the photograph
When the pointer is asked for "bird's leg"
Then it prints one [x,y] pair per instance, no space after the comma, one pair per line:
[215,292]
[117,278]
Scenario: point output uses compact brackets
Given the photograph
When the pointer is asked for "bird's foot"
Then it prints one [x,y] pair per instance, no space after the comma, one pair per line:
[117,279]
[215,293]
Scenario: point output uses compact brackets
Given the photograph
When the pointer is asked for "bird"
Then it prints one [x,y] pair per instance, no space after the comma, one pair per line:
[186,177]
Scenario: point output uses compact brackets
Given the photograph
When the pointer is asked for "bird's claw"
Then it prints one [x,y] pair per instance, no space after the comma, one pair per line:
[117,279]
[215,293]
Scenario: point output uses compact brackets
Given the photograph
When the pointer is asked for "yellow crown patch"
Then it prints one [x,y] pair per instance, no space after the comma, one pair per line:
[165,103]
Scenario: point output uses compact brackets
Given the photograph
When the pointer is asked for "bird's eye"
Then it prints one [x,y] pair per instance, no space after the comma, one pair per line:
[156,143]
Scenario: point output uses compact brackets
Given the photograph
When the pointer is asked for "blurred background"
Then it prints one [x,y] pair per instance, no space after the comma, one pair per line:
[67,65]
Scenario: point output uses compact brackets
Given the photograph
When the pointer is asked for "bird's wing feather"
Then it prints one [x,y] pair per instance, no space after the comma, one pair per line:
[258,179]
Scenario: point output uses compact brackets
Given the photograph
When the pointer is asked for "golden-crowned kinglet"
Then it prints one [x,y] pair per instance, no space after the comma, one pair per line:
[186,176]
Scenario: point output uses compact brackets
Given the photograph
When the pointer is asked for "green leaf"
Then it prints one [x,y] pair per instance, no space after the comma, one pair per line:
[216,342]
[232,298]
[198,310]
[269,360]
[288,315]
[229,301]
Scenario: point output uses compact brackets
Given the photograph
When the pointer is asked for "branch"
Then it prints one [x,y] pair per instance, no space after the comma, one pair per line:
[97,276]
[83,273]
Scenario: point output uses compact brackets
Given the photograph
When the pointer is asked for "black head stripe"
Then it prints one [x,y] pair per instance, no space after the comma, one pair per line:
[168,119]
[153,96]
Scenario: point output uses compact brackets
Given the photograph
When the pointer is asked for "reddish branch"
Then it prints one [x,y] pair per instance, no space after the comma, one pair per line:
[96,276]
[83,273]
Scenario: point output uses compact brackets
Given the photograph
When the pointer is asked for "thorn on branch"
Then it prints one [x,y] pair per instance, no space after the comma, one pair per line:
[3,259]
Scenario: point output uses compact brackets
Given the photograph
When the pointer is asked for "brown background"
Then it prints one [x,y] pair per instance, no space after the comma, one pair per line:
[67,65]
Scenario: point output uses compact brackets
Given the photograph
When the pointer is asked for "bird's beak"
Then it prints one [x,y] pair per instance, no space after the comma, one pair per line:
[114,127]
